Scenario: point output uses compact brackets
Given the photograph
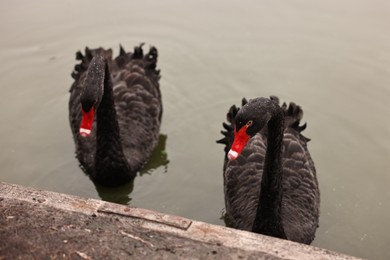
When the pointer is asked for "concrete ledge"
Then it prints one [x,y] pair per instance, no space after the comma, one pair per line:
[37,224]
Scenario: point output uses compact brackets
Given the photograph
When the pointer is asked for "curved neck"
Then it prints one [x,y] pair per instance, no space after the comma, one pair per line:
[110,159]
[268,219]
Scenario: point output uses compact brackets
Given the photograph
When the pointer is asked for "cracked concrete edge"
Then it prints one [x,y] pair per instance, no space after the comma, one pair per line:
[179,226]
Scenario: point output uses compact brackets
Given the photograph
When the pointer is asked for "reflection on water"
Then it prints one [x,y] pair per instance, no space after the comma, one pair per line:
[121,194]
[331,57]
[159,157]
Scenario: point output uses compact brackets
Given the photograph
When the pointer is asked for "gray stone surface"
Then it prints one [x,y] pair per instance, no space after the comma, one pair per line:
[38,224]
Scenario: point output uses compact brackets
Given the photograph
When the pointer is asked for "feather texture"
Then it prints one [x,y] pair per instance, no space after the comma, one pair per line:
[243,177]
[128,112]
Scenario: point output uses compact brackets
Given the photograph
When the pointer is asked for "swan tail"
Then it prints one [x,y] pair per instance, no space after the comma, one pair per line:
[293,116]
[151,57]
[138,52]
[85,60]
[147,61]
[122,51]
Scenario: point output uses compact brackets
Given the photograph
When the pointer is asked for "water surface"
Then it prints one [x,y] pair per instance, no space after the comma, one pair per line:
[330,57]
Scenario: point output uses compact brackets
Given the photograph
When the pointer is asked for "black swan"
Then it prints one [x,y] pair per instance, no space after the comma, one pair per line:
[270,182]
[115,112]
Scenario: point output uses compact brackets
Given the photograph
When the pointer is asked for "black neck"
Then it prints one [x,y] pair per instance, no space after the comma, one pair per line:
[268,216]
[110,164]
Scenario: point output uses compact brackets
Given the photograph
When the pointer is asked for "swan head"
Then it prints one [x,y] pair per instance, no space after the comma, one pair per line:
[93,89]
[241,138]
[250,120]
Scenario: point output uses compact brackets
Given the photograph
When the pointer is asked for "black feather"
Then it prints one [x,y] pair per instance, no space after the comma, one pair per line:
[127,117]
[243,178]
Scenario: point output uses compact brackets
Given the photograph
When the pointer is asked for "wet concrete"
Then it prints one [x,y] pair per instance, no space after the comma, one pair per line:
[38,224]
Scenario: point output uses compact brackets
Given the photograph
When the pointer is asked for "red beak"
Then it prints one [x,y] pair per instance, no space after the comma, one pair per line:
[86,122]
[241,138]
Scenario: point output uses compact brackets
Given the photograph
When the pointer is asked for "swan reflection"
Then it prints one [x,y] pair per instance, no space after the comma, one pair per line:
[121,194]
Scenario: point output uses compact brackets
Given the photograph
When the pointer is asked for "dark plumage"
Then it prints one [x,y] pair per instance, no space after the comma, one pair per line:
[271,186]
[121,103]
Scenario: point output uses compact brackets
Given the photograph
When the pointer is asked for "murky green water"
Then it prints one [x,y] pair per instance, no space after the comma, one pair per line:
[331,57]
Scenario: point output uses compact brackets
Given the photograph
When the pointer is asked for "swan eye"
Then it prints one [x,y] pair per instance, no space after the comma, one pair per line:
[249,123]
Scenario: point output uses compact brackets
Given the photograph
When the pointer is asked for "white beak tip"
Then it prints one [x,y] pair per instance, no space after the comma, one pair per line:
[232,155]
[85,132]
